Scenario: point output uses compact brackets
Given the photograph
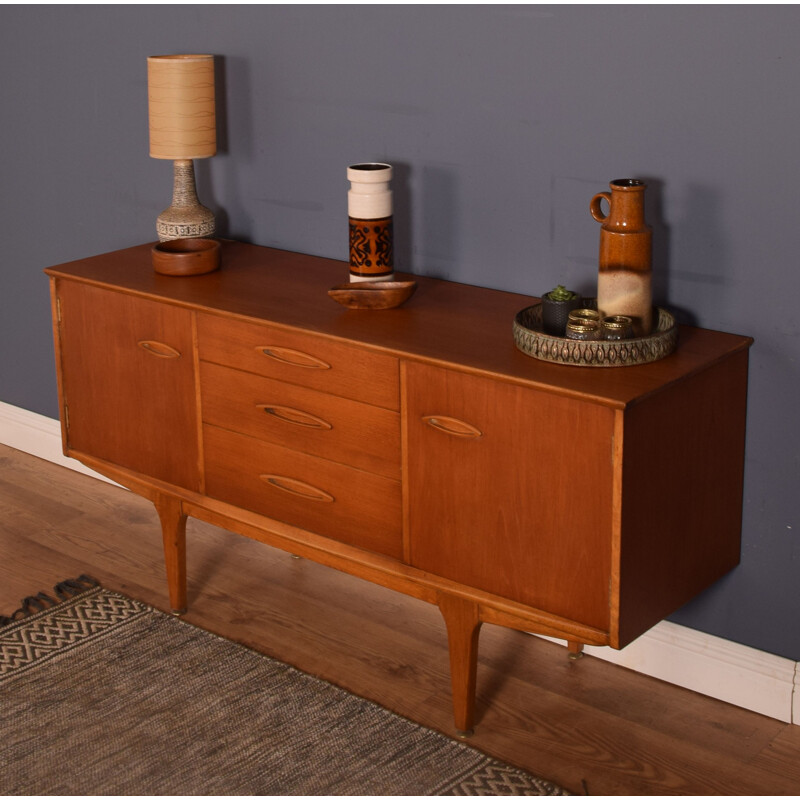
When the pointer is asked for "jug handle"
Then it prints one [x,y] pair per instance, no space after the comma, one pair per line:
[597,212]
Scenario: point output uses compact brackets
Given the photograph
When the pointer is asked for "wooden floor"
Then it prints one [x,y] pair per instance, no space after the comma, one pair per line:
[592,727]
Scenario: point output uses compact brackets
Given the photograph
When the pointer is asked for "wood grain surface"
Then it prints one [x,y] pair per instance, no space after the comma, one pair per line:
[534,523]
[141,413]
[443,321]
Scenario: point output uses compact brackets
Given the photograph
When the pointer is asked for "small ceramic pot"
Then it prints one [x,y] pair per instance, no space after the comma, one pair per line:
[555,314]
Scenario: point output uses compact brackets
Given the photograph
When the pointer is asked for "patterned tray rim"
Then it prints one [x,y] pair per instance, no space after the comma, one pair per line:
[603,353]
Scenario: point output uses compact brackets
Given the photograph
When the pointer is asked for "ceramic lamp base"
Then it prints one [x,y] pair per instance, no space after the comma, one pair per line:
[186,218]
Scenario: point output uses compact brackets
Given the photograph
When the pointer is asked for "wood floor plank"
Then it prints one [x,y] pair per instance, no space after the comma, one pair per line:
[575,743]
[782,755]
[646,701]
[587,724]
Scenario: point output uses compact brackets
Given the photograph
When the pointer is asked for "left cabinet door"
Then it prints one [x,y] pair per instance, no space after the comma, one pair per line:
[128,382]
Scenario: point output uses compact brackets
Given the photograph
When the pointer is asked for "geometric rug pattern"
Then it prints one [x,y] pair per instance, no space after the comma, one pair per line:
[104,695]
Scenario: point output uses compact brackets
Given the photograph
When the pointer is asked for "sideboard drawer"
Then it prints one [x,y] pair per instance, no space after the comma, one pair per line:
[336,428]
[331,499]
[302,359]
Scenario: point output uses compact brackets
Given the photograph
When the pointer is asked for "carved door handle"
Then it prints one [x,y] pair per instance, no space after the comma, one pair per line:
[295,358]
[298,488]
[295,416]
[159,349]
[453,426]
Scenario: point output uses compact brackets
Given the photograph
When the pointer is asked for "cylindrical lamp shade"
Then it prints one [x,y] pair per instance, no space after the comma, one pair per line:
[182,112]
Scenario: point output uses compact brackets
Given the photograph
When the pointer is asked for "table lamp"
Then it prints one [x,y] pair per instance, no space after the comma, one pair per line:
[182,127]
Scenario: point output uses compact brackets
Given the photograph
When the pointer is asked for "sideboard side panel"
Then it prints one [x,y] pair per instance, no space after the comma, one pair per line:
[682,493]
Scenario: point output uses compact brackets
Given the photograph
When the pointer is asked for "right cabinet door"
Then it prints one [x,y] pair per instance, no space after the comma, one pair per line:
[509,490]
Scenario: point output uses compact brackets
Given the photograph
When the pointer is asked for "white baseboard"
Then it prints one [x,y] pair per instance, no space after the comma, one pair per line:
[709,665]
[796,704]
[734,673]
[39,436]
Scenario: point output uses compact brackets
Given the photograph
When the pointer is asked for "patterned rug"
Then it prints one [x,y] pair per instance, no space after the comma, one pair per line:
[103,695]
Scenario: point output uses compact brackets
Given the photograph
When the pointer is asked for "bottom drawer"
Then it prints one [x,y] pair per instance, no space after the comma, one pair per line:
[323,497]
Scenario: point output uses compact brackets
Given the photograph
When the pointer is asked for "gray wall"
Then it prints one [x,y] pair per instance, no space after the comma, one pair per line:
[502,122]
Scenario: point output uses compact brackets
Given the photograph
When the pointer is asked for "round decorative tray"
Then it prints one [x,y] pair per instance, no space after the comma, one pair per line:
[529,337]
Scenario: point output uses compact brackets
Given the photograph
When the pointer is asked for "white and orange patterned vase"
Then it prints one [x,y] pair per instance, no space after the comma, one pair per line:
[369,205]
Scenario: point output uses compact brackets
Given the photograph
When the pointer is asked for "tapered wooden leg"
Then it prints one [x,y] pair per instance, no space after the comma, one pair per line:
[173,531]
[463,626]
[575,649]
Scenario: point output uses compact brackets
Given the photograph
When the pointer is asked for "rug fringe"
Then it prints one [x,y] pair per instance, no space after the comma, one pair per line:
[64,590]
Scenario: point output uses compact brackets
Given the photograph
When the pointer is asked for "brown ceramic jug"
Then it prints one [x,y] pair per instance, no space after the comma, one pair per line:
[624,282]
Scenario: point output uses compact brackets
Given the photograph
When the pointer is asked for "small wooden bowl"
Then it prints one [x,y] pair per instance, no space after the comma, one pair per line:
[375,295]
[184,257]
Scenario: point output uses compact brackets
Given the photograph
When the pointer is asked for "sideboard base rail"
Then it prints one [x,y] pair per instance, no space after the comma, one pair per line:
[464,610]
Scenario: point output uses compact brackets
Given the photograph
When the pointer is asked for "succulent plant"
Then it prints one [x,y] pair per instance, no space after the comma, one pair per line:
[560,294]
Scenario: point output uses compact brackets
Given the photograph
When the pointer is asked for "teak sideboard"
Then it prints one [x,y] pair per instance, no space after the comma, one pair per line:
[414,447]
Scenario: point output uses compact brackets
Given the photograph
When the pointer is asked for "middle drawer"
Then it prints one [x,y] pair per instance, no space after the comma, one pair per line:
[335,428]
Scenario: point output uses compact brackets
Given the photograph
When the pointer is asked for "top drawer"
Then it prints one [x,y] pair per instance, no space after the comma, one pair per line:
[302,359]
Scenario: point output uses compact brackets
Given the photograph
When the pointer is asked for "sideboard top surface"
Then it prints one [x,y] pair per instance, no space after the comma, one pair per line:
[443,322]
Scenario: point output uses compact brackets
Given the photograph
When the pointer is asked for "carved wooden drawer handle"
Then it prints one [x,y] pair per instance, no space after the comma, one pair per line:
[159,349]
[295,416]
[295,358]
[297,488]
[453,426]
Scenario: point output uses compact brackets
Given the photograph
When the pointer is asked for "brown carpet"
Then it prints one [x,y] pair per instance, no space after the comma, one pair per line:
[101,694]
